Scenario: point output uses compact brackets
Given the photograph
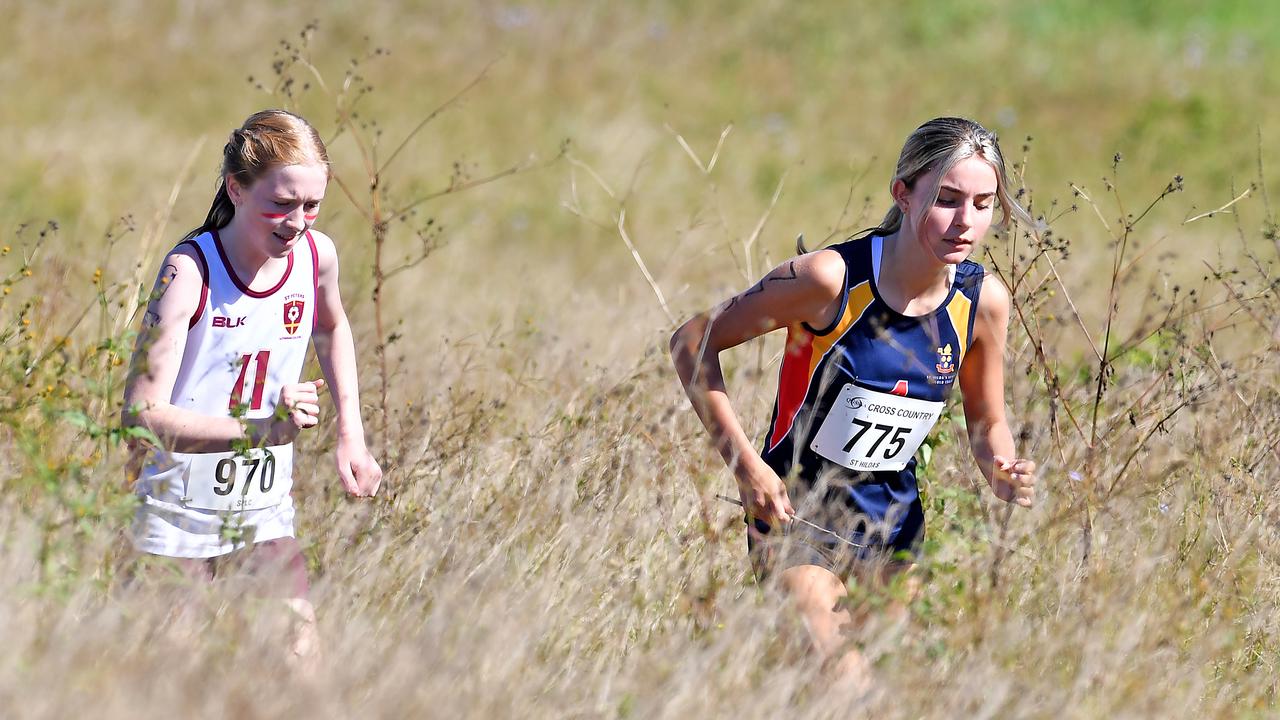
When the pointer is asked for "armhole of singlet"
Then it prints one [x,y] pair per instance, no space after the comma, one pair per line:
[844,302]
[315,279]
[204,281]
[977,293]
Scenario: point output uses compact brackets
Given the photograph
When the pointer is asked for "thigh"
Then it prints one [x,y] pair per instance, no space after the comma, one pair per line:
[773,552]
[159,570]
[272,568]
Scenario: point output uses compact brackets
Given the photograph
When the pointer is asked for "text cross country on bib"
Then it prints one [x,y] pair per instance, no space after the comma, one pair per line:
[870,431]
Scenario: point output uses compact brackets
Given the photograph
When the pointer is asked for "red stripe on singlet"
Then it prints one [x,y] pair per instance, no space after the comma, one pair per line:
[805,354]
[204,282]
[315,278]
[793,385]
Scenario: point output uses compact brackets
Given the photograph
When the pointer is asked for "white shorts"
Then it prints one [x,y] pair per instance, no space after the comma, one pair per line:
[171,530]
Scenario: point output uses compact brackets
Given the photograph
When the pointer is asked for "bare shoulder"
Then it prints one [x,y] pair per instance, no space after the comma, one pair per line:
[824,269]
[185,257]
[324,243]
[993,302]
[804,289]
[326,251]
[182,274]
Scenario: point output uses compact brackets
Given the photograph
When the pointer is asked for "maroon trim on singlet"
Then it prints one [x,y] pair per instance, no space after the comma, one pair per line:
[231,272]
[204,281]
[315,277]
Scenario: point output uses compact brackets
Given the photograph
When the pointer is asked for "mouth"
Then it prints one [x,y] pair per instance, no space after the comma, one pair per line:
[286,238]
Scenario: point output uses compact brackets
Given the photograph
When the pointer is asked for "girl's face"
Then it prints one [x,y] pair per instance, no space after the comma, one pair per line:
[953,224]
[274,212]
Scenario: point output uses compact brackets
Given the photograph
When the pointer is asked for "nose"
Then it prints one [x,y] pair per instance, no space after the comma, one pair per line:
[964,215]
[296,219]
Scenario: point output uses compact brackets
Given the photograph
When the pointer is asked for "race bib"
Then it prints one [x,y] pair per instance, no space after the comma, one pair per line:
[868,430]
[258,478]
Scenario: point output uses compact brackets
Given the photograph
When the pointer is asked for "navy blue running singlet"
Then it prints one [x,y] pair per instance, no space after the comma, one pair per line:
[857,398]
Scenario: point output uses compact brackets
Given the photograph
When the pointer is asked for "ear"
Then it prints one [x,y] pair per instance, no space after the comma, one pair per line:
[235,190]
[901,195]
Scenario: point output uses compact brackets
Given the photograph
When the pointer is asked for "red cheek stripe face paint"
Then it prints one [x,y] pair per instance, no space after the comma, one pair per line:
[274,216]
[311,218]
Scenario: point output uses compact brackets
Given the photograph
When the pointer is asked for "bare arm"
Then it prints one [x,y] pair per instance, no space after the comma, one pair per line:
[335,349]
[807,289]
[157,357]
[982,384]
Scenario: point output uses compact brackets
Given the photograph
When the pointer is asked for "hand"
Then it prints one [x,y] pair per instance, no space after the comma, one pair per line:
[359,471]
[764,496]
[1014,480]
[297,408]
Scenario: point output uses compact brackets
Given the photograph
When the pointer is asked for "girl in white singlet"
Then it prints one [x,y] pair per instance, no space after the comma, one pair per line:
[217,368]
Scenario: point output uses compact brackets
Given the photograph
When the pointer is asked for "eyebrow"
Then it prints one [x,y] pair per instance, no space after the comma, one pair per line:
[958,191]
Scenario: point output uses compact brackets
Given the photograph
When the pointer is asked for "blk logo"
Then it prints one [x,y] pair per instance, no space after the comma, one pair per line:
[227,322]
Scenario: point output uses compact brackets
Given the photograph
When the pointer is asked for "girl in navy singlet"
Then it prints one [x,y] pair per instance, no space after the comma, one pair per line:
[880,329]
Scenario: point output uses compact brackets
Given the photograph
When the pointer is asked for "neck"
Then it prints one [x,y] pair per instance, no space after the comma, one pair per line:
[246,258]
[909,270]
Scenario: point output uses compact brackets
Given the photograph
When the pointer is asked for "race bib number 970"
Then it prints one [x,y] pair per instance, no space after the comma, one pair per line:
[870,431]
[258,478]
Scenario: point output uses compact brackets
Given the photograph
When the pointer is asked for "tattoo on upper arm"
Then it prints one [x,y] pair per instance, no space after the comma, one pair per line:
[759,287]
[163,280]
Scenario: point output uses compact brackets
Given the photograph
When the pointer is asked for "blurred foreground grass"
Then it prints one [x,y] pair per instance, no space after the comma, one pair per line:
[549,545]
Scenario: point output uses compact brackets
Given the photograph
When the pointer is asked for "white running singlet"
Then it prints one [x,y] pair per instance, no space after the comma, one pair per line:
[242,347]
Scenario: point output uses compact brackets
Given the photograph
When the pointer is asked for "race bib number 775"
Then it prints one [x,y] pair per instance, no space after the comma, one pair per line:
[869,431]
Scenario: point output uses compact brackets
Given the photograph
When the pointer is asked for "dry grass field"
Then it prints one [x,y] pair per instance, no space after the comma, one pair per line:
[548,543]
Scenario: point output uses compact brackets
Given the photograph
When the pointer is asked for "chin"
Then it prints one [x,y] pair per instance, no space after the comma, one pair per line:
[955,257]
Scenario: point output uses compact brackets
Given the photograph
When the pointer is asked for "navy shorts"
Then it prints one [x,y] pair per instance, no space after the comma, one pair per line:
[799,545]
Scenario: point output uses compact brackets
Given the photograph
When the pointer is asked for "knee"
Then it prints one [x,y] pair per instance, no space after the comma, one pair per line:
[813,590]
[303,609]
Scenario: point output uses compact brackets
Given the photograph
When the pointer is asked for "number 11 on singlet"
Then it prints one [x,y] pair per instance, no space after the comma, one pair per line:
[870,431]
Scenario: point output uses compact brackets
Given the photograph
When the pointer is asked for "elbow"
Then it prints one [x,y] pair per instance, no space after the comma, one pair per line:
[131,416]
[690,335]
[691,353]
[677,339]
[681,347]
[136,414]
[131,419]
[680,354]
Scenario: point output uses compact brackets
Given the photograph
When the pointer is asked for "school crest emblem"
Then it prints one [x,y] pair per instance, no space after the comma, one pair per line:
[945,366]
[293,315]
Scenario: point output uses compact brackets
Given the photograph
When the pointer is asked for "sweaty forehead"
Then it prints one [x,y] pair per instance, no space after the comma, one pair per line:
[303,182]
[971,176]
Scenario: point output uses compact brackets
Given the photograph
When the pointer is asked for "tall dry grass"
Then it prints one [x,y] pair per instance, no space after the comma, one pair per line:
[549,545]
